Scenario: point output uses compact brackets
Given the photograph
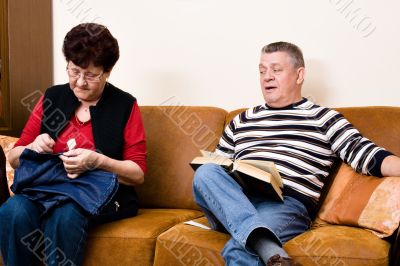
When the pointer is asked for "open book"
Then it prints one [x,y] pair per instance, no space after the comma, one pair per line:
[252,175]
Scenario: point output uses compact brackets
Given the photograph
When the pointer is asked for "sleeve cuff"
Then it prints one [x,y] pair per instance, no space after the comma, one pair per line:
[374,166]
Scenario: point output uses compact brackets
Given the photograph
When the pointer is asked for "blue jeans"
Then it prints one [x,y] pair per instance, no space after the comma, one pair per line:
[55,238]
[227,207]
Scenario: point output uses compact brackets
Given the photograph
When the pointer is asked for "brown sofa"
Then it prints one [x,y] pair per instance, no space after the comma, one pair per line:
[157,236]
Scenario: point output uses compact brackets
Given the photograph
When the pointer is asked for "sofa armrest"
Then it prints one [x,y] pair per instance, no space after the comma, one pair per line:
[395,249]
[4,193]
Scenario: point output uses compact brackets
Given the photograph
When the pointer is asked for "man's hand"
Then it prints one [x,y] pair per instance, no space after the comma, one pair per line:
[391,166]
[80,160]
[42,144]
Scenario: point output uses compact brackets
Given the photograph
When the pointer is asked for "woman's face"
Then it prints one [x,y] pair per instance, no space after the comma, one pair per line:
[87,83]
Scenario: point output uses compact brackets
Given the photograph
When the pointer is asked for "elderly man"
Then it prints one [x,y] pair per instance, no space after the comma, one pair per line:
[303,139]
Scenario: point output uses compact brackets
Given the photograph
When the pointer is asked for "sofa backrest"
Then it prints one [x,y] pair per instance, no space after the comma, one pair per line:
[381,124]
[175,134]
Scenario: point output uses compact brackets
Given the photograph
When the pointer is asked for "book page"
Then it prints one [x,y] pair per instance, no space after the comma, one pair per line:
[210,157]
[266,166]
[253,178]
[193,223]
[218,159]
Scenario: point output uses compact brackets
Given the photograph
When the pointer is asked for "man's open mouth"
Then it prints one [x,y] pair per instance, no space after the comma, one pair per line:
[270,88]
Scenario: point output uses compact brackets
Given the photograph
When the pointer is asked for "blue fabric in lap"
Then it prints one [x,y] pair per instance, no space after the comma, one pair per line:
[42,178]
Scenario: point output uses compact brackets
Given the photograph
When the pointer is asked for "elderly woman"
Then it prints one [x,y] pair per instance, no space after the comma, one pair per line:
[92,124]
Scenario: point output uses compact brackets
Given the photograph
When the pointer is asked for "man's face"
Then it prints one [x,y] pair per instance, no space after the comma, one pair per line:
[280,80]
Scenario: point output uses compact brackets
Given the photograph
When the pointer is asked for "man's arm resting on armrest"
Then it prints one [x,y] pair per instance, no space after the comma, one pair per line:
[391,166]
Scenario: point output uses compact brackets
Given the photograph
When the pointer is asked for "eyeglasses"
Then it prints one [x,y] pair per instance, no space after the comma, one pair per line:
[75,73]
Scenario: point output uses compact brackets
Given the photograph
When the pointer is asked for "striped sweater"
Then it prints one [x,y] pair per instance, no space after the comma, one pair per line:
[304,140]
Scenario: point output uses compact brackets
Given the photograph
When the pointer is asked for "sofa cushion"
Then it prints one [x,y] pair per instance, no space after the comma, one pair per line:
[329,245]
[132,241]
[7,143]
[381,124]
[189,245]
[338,245]
[363,201]
[175,134]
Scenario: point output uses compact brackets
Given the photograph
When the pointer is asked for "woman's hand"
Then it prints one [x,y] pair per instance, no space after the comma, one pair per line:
[79,160]
[42,144]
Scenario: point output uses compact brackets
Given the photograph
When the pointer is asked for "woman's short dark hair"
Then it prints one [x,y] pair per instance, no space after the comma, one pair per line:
[293,50]
[91,43]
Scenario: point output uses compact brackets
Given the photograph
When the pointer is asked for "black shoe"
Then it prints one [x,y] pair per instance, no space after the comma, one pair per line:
[277,260]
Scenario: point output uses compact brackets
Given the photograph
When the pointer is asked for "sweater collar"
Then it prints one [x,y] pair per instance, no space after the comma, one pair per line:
[302,104]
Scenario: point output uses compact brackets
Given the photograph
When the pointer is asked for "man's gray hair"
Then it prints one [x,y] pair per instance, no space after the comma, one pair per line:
[293,51]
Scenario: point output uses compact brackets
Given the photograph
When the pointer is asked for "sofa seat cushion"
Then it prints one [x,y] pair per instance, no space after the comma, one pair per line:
[338,245]
[189,245]
[329,245]
[132,241]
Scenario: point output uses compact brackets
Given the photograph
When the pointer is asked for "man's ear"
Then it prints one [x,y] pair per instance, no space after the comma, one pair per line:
[300,75]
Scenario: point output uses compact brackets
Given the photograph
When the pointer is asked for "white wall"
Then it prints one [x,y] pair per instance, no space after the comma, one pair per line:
[206,52]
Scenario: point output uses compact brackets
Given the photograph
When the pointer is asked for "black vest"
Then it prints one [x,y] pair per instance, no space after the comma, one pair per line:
[108,117]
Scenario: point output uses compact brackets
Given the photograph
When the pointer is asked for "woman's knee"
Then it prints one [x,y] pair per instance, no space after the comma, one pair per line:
[68,214]
[18,210]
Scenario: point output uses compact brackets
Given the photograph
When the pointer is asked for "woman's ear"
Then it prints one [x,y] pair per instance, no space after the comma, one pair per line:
[108,73]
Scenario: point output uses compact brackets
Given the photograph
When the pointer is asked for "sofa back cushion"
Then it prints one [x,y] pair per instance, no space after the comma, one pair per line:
[232,115]
[362,201]
[175,134]
[381,124]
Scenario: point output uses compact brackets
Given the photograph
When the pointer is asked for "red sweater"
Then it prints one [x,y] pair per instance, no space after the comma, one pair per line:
[134,136]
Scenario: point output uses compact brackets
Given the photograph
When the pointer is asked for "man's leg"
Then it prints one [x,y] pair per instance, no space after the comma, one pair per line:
[20,237]
[222,199]
[66,229]
[287,219]
[235,255]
